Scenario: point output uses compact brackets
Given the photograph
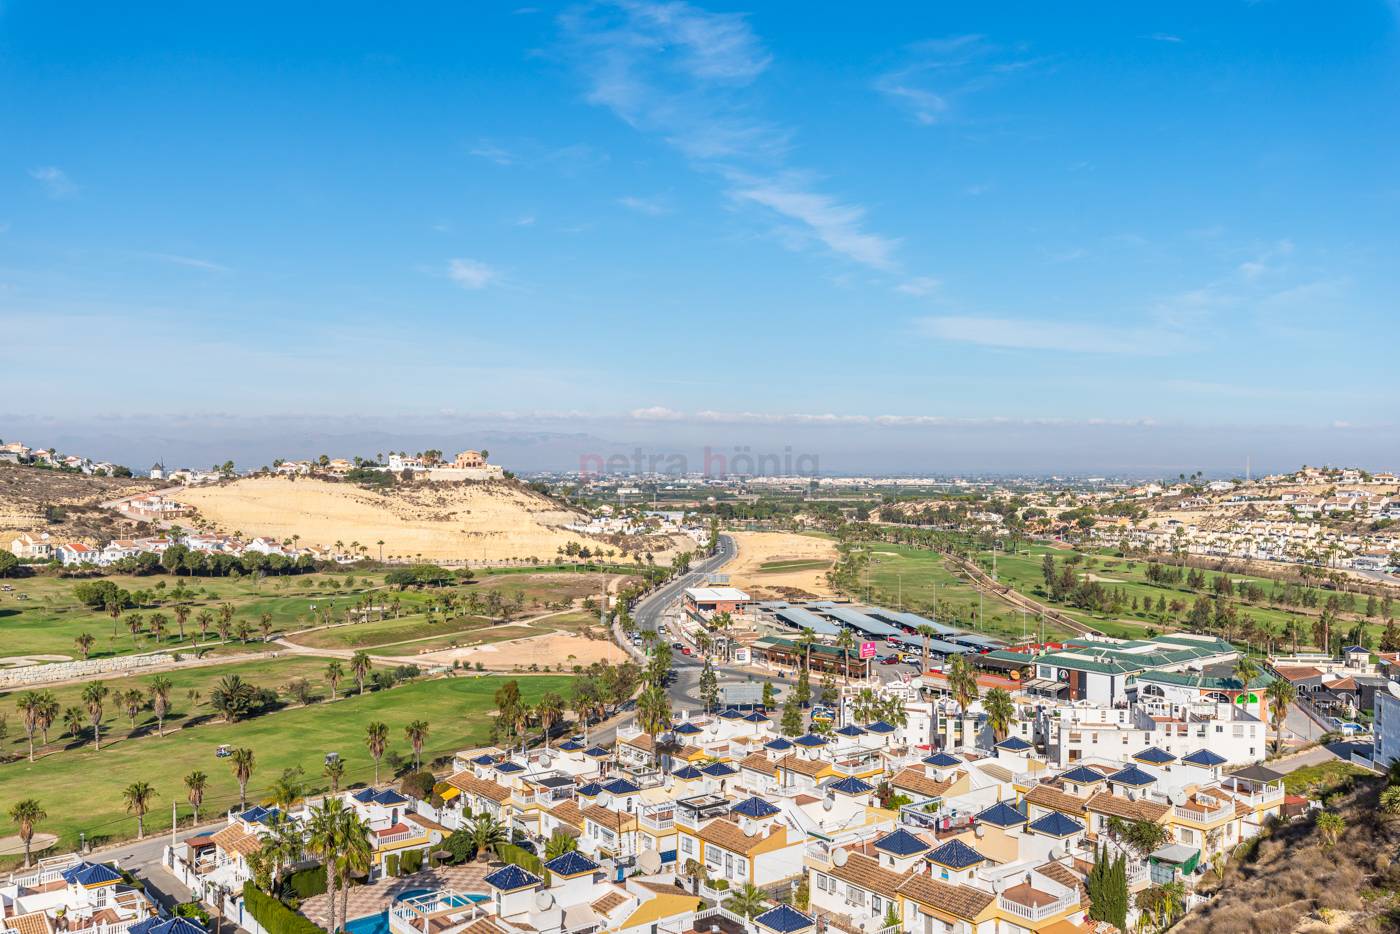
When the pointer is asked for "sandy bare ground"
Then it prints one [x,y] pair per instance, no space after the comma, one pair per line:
[759,548]
[545,650]
[475,522]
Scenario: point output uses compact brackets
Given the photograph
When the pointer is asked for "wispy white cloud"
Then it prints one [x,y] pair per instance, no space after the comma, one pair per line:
[190,261]
[932,76]
[918,286]
[654,207]
[470,273]
[1052,335]
[492,153]
[685,75]
[55,182]
[1163,37]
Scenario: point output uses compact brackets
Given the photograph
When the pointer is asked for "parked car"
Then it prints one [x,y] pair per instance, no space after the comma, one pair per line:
[890,660]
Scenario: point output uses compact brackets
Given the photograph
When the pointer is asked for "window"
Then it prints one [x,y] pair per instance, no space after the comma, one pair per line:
[855,896]
[877,905]
[688,845]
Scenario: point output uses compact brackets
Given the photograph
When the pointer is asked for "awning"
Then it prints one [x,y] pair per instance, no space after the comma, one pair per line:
[1046,685]
[451,793]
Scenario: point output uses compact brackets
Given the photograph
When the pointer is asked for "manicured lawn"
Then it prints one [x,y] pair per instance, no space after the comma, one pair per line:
[795,564]
[922,581]
[81,789]
[387,632]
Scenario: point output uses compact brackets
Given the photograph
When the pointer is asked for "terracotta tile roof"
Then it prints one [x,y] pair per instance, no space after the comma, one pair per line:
[1065,876]
[661,888]
[962,901]
[608,902]
[725,833]
[809,767]
[641,741]
[867,873]
[1297,673]
[481,787]
[1000,772]
[1028,895]
[758,762]
[234,839]
[36,922]
[569,813]
[1048,796]
[482,926]
[613,820]
[1118,806]
[916,780]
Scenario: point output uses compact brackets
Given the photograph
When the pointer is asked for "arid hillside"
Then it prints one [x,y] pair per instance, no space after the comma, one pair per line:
[490,521]
[781,565]
[66,505]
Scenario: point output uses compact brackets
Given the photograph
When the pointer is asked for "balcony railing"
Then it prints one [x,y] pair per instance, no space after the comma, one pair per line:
[393,838]
[1038,912]
[1203,815]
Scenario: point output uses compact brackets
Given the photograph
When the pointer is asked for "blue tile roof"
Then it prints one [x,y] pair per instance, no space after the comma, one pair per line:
[261,815]
[1002,814]
[1133,776]
[389,797]
[755,717]
[1083,775]
[754,807]
[1204,757]
[688,729]
[1154,756]
[720,770]
[483,759]
[731,714]
[901,843]
[169,926]
[511,877]
[942,760]
[1014,743]
[621,786]
[778,744]
[570,746]
[510,768]
[87,874]
[850,729]
[810,740]
[596,751]
[785,919]
[880,726]
[364,795]
[1056,824]
[590,790]
[852,786]
[689,773]
[955,855]
[572,863]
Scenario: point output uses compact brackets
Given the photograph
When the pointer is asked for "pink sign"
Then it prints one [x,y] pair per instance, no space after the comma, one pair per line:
[867,650]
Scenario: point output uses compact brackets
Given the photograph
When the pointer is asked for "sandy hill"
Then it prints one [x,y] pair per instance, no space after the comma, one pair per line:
[781,565]
[66,505]
[489,521]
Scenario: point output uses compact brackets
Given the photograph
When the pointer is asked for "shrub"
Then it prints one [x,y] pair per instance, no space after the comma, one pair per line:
[391,864]
[412,862]
[275,917]
[510,853]
[460,845]
[305,883]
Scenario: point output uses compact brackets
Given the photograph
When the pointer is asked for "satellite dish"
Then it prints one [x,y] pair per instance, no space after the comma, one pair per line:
[546,759]
[1177,796]
[828,804]
[544,900]
[604,799]
[1394,688]
[980,831]
[838,859]
[649,862]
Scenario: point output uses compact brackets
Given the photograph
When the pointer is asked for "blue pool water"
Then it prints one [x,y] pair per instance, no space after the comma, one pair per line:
[379,924]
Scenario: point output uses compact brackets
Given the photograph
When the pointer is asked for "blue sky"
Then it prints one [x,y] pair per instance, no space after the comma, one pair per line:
[669,221]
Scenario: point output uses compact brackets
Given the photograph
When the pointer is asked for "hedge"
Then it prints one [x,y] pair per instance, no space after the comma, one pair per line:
[510,853]
[411,862]
[275,917]
[305,883]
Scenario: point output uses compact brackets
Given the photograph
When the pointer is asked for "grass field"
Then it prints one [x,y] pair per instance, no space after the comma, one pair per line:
[921,581]
[81,789]
[387,632]
[777,567]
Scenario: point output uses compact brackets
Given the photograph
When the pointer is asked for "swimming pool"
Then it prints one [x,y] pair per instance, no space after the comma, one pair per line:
[379,923]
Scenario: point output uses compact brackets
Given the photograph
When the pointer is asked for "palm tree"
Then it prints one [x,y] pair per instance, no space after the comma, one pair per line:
[1390,801]
[265,624]
[160,700]
[74,721]
[748,900]
[242,761]
[928,632]
[356,854]
[31,705]
[1280,693]
[417,734]
[84,643]
[1330,824]
[805,643]
[560,843]
[962,683]
[334,673]
[132,701]
[654,713]
[360,665]
[845,641]
[287,789]
[93,696]
[1245,671]
[205,619]
[26,814]
[138,797]
[195,783]
[48,712]
[487,834]
[376,738]
[323,840]
[1001,712]
[334,770]
[231,697]
[182,615]
[550,710]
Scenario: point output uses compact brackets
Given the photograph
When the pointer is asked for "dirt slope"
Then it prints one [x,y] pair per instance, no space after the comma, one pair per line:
[66,505]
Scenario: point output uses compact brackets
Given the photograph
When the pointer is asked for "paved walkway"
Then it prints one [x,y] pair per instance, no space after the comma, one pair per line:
[378,896]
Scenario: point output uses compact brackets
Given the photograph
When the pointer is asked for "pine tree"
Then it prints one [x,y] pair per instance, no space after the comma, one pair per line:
[791,724]
[1108,889]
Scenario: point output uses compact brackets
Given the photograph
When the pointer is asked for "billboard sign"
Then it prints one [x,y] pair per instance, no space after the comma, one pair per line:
[867,650]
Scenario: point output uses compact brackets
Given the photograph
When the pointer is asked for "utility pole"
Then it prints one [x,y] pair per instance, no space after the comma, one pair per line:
[174,819]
